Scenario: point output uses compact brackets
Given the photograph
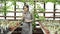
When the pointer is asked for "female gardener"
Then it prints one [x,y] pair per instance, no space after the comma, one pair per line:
[27,20]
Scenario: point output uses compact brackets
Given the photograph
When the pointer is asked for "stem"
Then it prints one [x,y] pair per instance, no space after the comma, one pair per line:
[5,8]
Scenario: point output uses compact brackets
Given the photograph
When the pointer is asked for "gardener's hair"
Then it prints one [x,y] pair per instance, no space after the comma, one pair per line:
[26,7]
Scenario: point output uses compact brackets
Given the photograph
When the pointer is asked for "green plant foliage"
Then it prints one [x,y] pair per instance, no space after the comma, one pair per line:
[34,24]
[36,15]
[22,0]
[58,2]
[4,10]
[40,9]
[13,1]
[41,18]
[1,0]
[54,1]
[31,3]
[5,7]
[26,0]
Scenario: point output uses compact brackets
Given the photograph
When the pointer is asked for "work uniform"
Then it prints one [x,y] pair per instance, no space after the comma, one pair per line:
[27,27]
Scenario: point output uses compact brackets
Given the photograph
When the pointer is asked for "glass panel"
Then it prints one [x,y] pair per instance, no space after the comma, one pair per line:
[10,6]
[18,18]
[1,14]
[10,14]
[2,18]
[19,6]
[57,18]
[48,10]
[48,14]
[40,14]
[49,18]
[20,10]
[39,4]
[1,6]
[57,14]
[57,6]
[18,14]
[49,5]
[57,10]
[9,17]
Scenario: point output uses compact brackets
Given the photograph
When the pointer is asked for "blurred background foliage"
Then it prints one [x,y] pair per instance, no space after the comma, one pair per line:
[32,2]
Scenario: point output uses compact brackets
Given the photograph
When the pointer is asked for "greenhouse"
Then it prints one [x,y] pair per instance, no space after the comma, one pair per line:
[29,16]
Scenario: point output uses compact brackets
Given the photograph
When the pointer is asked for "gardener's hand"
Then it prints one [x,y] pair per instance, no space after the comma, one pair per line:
[28,20]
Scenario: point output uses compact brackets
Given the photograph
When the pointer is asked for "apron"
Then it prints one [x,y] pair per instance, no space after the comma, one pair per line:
[27,27]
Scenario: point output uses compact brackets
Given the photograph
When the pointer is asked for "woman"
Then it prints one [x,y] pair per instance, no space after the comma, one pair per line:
[27,21]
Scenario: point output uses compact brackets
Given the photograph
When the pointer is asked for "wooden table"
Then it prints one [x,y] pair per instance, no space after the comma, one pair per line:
[13,29]
[45,30]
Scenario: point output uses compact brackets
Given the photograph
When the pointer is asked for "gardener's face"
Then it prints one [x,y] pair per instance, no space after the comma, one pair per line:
[25,9]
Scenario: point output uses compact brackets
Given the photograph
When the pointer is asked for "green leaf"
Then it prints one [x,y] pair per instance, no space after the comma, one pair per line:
[22,0]
[58,2]
[41,18]
[42,10]
[54,1]
[34,24]
[36,15]
[31,3]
